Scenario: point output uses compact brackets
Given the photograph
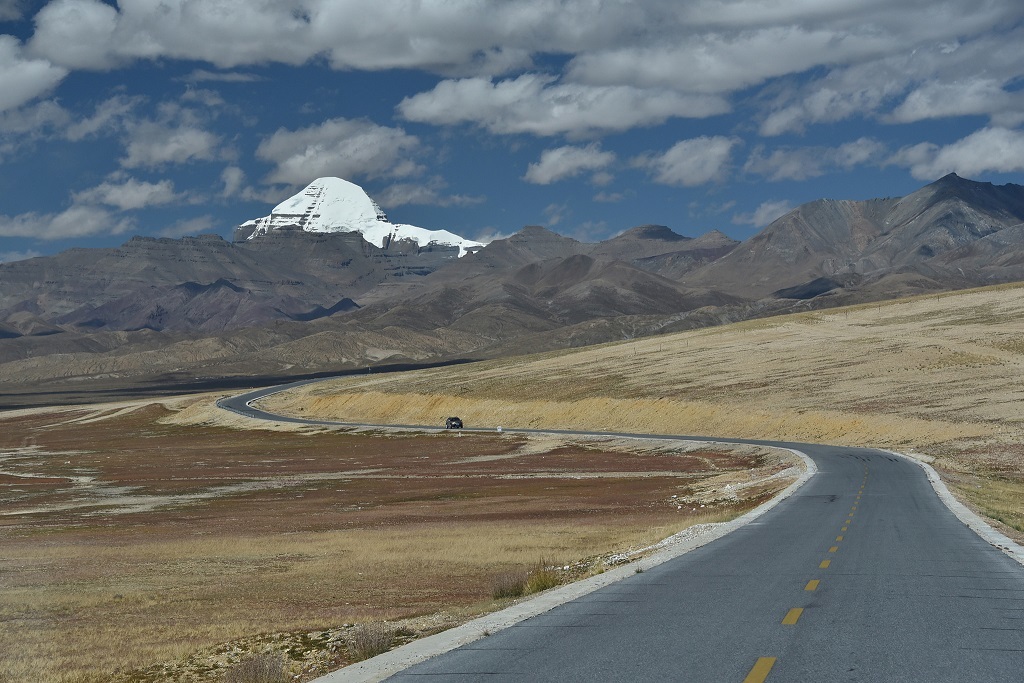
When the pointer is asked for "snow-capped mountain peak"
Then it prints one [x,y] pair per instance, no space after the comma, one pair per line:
[336,205]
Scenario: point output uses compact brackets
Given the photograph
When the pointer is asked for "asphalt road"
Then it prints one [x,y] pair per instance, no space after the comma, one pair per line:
[862,575]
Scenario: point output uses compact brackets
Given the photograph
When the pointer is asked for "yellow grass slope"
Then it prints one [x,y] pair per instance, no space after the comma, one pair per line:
[941,374]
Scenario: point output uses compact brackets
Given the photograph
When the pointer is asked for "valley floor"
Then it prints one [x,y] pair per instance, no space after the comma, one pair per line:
[166,541]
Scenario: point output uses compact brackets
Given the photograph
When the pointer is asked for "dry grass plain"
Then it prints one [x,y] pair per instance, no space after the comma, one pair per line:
[940,375]
[163,542]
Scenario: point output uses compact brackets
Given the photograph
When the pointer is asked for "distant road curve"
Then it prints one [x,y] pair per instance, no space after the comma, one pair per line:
[863,574]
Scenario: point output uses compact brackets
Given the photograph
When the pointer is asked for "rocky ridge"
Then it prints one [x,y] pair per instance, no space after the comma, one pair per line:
[292,302]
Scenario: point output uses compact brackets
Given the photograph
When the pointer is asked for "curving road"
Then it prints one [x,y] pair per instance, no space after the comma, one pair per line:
[862,575]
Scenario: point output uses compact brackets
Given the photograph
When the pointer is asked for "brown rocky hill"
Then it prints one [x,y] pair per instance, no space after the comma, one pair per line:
[829,245]
[203,283]
[291,303]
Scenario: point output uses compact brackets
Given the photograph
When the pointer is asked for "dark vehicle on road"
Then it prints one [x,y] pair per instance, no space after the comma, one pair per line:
[453,423]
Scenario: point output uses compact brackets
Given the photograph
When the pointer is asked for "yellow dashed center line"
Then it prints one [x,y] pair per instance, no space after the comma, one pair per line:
[760,670]
[763,666]
[793,616]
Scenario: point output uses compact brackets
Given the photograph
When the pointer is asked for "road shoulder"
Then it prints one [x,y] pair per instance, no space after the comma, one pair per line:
[975,522]
[399,659]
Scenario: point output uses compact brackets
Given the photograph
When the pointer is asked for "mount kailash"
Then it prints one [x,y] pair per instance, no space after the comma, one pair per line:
[330,205]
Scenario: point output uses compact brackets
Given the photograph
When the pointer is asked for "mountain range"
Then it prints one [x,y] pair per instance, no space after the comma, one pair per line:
[326,283]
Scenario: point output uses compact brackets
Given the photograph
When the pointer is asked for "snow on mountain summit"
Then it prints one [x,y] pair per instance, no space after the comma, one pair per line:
[336,205]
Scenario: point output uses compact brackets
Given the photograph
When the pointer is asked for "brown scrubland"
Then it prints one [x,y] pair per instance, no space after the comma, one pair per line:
[176,542]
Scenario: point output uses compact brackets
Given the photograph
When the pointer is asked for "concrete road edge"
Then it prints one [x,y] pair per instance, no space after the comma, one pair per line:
[382,666]
[976,523]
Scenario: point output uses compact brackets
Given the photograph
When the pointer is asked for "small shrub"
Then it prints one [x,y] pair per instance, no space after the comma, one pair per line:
[508,585]
[266,667]
[370,640]
[541,579]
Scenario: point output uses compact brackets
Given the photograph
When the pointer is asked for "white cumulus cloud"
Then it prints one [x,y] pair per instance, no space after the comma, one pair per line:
[764,214]
[612,197]
[76,221]
[565,162]
[11,10]
[23,79]
[33,120]
[933,79]
[535,103]
[129,194]
[77,34]
[340,147]
[110,115]
[691,162]
[151,144]
[801,163]
[556,213]
[90,34]
[999,150]
[726,61]
[429,193]
[936,99]
[626,65]
[233,178]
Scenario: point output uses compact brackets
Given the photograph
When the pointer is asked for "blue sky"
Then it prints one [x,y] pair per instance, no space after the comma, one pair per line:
[175,117]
